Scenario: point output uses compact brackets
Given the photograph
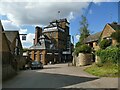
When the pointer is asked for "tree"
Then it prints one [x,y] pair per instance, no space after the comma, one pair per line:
[116,36]
[84,32]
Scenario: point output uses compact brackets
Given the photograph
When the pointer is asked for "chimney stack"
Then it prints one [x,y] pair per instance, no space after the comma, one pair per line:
[38,33]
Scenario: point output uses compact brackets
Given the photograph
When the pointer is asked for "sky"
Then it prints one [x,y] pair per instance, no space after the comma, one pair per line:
[25,16]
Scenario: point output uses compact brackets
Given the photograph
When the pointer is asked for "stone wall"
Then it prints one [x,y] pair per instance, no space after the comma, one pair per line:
[82,59]
[8,69]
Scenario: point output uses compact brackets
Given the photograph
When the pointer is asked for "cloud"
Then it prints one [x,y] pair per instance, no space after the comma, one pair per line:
[29,40]
[9,25]
[23,31]
[59,0]
[40,12]
[71,16]
[77,37]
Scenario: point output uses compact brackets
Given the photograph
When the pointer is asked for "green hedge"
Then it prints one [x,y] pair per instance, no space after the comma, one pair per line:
[105,43]
[83,49]
[109,55]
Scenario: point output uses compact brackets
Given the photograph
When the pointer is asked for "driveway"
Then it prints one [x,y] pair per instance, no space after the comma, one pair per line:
[59,76]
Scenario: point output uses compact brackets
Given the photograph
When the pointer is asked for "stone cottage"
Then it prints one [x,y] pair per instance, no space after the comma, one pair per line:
[93,40]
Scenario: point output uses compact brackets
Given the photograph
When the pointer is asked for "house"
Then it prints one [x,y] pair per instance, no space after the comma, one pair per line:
[8,67]
[52,43]
[108,30]
[94,40]
[16,47]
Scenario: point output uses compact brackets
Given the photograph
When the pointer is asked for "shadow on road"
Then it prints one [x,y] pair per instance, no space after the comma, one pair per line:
[45,80]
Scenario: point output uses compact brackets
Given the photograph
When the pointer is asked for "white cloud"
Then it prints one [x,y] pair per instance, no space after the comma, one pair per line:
[59,0]
[71,16]
[9,25]
[40,12]
[29,40]
[23,31]
[77,37]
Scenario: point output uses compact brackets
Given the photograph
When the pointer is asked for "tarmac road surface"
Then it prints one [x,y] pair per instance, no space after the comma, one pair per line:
[59,76]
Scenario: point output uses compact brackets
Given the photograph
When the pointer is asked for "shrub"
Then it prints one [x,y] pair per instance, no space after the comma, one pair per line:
[116,36]
[77,44]
[109,55]
[83,49]
[105,43]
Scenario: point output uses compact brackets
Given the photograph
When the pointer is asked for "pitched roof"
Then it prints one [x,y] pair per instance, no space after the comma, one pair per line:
[11,35]
[115,26]
[43,43]
[92,38]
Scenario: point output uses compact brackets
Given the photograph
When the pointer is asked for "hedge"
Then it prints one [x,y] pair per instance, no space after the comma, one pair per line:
[109,55]
[105,43]
[83,49]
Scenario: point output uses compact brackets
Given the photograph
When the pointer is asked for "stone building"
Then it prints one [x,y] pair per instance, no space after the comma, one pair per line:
[52,43]
[93,40]
[16,47]
[108,30]
[11,52]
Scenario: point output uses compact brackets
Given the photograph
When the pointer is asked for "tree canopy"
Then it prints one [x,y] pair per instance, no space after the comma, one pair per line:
[84,32]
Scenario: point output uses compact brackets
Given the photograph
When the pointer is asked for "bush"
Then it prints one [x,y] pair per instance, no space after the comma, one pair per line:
[105,43]
[83,49]
[116,36]
[109,55]
[77,44]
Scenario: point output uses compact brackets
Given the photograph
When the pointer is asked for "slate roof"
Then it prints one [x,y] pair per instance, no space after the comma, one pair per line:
[11,35]
[92,38]
[96,36]
[43,43]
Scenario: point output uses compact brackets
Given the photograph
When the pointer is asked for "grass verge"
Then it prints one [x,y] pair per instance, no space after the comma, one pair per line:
[104,70]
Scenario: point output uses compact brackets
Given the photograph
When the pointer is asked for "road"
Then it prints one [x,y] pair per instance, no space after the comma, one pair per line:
[59,76]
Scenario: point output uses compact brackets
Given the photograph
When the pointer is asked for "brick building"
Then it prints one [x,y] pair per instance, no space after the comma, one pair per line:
[52,43]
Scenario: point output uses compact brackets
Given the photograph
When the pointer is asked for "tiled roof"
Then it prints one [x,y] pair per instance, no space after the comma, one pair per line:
[92,38]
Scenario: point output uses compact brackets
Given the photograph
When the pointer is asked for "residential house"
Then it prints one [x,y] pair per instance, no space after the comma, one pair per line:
[93,40]
[108,30]
[8,69]
[16,47]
